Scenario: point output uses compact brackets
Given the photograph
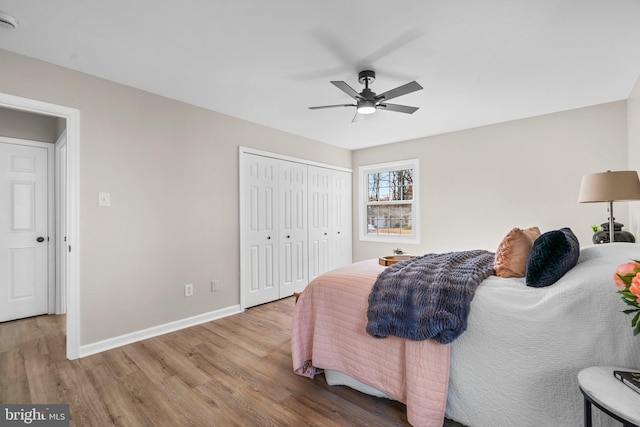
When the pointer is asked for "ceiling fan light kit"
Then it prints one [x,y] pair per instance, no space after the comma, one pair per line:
[368,102]
[366,107]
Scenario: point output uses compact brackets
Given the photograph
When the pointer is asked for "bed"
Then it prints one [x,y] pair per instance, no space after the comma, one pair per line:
[516,363]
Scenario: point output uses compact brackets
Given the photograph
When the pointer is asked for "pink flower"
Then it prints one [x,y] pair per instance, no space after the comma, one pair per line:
[627,279]
[635,287]
[628,269]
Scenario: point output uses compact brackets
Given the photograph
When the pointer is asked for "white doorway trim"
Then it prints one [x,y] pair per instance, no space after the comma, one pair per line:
[60,224]
[72,117]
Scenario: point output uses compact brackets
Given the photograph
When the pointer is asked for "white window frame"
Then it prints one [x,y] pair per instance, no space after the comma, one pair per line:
[363,172]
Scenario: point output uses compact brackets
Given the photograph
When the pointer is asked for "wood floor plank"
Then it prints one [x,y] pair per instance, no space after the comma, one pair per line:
[148,362]
[123,405]
[179,363]
[43,387]
[12,364]
[224,407]
[86,406]
[152,400]
[119,363]
[235,371]
[227,331]
[15,390]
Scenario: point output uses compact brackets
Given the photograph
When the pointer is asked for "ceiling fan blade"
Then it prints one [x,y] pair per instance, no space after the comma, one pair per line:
[399,91]
[393,45]
[332,106]
[358,117]
[399,108]
[346,89]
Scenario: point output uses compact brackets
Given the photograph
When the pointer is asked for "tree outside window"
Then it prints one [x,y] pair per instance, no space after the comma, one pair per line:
[390,203]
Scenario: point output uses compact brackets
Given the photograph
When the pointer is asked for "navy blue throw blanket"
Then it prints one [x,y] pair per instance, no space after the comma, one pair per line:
[427,297]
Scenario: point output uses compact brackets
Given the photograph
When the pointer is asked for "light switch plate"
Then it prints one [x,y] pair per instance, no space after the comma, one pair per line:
[104,199]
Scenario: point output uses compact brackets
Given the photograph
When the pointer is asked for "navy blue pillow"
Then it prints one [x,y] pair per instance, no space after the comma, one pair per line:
[552,255]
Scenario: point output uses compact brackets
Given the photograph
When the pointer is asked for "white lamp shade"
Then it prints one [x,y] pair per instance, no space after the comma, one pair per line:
[609,186]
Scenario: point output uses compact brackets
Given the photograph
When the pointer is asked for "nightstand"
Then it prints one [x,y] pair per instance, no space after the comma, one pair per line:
[609,394]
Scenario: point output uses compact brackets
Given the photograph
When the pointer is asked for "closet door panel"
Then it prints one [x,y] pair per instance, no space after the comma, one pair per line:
[319,191]
[260,258]
[340,219]
[293,227]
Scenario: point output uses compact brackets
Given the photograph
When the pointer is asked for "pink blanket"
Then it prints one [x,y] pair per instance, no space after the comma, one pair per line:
[329,333]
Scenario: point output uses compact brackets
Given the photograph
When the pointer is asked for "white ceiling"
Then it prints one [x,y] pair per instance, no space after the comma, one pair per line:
[480,62]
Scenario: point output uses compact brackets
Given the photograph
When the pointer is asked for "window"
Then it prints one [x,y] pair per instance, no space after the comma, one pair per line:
[388,202]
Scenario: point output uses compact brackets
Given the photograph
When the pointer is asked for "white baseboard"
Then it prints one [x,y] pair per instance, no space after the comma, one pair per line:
[108,344]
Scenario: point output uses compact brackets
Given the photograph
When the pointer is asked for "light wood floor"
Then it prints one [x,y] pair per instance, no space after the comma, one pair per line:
[234,371]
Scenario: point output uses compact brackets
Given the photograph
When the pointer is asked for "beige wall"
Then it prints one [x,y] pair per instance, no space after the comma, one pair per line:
[23,125]
[633,129]
[172,171]
[477,184]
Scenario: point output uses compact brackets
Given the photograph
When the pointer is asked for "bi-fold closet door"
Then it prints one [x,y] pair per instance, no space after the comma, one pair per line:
[283,211]
[274,256]
[293,254]
[329,220]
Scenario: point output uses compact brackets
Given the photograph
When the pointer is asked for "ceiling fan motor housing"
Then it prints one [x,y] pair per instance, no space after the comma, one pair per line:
[368,94]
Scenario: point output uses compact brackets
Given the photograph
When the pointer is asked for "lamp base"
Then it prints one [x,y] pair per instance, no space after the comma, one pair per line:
[618,235]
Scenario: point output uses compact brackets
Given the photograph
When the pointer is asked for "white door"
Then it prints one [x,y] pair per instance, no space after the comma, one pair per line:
[23,231]
[260,224]
[319,196]
[293,227]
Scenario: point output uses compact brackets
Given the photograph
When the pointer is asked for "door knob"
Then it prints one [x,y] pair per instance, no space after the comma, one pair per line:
[268,237]
[288,237]
[40,239]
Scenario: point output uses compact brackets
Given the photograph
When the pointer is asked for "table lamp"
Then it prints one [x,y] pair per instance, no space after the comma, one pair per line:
[610,187]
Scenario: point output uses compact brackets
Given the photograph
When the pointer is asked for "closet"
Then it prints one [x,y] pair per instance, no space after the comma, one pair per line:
[295,224]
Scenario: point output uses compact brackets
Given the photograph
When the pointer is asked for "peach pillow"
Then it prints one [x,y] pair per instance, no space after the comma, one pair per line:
[513,252]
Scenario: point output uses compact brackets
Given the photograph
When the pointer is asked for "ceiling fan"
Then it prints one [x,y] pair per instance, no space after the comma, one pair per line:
[367,102]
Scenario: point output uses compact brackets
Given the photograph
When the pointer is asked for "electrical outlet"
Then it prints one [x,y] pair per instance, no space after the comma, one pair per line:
[214,286]
[188,290]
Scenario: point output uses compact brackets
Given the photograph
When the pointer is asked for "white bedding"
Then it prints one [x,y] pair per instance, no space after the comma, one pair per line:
[518,361]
